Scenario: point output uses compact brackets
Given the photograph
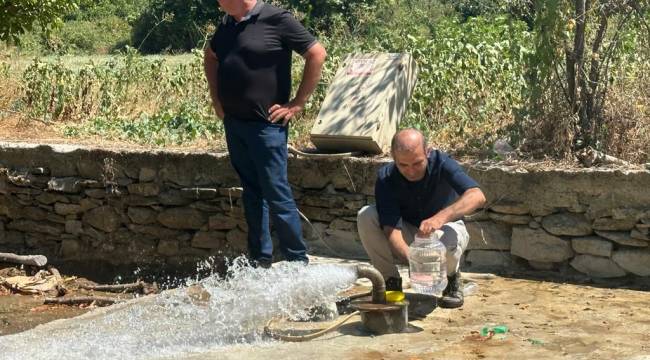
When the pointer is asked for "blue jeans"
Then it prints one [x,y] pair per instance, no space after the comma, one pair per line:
[258,152]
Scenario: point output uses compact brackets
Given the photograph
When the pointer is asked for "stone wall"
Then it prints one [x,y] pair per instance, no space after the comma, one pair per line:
[104,210]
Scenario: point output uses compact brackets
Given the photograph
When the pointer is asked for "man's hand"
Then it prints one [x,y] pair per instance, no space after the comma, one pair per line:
[432,224]
[469,201]
[284,113]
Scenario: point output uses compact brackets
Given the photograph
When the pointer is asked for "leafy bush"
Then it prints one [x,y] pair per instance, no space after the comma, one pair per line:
[173,125]
[17,17]
[55,92]
[174,25]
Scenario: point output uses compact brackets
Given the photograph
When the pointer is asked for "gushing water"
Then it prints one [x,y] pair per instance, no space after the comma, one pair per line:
[173,324]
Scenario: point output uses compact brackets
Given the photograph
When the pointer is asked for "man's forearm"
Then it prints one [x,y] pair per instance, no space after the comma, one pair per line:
[471,200]
[396,242]
[314,59]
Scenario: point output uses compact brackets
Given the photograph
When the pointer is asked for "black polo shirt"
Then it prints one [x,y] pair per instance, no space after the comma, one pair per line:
[255,60]
[413,201]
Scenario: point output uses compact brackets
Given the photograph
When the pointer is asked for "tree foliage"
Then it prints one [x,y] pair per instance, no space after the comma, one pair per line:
[579,47]
[18,17]
[174,25]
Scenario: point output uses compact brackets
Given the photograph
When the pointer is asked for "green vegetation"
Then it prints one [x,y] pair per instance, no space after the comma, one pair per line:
[18,17]
[530,72]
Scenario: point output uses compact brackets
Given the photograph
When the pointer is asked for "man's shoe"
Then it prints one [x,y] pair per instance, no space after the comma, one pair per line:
[394,284]
[262,263]
[452,296]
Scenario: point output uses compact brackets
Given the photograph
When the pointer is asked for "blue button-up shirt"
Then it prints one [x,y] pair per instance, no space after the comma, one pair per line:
[414,201]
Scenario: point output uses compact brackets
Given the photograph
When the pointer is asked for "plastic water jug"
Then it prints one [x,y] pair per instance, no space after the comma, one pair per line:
[428,264]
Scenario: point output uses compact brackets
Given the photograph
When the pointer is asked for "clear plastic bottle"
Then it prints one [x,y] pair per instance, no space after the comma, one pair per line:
[428,264]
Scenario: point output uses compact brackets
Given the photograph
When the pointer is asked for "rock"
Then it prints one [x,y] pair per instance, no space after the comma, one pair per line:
[343,212]
[316,213]
[207,206]
[636,261]
[28,226]
[209,240]
[95,234]
[144,189]
[534,225]
[182,218]
[56,218]
[142,215]
[324,201]
[168,247]
[88,204]
[139,200]
[643,228]
[231,192]
[354,204]
[49,198]
[33,213]
[540,265]
[156,231]
[96,193]
[569,224]
[67,209]
[104,218]
[513,208]
[592,245]
[69,248]
[173,198]
[70,185]
[623,238]
[611,224]
[345,236]
[197,193]
[597,266]
[344,243]
[74,227]
[636,234]
[488,258]
[339,224]
[510,219]
[146,175]
[237,240]
[486,235]
[312,178]
[627,214]
[480,215]
[12,240]
[221,222]
[537,245]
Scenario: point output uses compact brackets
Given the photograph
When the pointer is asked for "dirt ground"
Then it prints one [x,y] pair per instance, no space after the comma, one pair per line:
[20,311]
[546,319]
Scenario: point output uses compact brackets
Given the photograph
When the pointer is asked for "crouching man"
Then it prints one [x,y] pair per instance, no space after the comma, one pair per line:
[421,191]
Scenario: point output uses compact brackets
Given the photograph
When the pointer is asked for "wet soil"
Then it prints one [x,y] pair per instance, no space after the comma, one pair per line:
[546,319]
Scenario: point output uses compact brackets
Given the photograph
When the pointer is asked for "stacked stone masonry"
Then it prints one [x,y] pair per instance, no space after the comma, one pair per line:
[137,208]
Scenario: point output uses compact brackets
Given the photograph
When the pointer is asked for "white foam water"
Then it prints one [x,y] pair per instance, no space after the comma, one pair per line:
[171,325]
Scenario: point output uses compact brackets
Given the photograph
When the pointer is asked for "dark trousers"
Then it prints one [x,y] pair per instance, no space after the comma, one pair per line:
[258,152]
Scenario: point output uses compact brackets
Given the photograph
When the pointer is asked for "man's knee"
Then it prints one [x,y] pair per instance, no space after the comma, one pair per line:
[454,236]
[368,215]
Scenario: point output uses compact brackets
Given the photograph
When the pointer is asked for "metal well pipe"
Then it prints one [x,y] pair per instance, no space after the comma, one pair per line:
[377,280]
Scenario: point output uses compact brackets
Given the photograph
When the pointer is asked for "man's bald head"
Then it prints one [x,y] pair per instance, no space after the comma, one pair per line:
[408,140]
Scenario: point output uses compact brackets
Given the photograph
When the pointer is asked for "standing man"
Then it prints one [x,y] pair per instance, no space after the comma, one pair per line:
[248,68]
[421,191]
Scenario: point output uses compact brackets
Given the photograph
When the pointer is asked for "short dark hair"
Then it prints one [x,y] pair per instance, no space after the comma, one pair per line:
[397,145]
